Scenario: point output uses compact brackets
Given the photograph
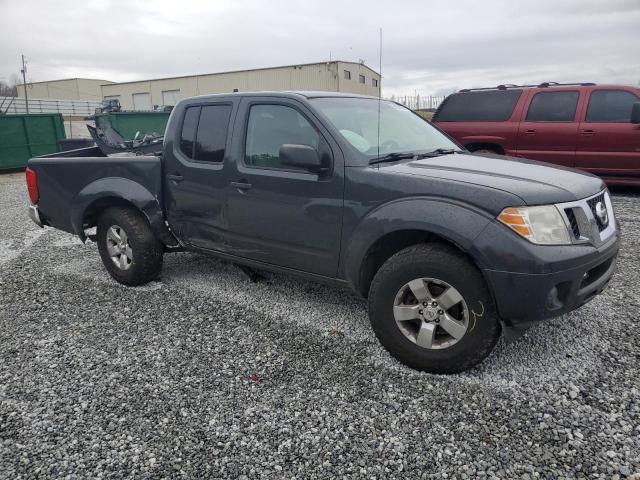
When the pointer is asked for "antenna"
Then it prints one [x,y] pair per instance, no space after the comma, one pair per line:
[379,90]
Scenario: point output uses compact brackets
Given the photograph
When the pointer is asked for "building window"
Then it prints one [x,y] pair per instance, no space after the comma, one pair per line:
[361,79]
[347,75]
[374,82]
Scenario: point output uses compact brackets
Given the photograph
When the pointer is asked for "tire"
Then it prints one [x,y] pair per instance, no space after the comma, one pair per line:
[439,267]
[142,260]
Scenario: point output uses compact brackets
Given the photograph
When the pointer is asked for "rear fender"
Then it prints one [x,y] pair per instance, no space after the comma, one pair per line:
[105,191]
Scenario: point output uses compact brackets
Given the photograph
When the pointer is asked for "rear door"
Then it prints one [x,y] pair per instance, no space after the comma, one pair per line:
[279,214]
[549,129]
[195,170]
[482,119]
[608,144]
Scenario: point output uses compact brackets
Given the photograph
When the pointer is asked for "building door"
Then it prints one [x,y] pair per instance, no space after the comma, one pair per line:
[549,130]
[142,101]
[170,97]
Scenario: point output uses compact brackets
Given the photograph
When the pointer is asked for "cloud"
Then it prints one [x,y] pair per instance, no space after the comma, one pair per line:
[428,47]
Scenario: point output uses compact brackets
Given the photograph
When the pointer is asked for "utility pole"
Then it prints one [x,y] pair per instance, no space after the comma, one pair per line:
[24,83]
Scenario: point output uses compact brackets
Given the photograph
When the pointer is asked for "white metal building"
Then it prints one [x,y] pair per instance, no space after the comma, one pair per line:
[67,89]
[335,76]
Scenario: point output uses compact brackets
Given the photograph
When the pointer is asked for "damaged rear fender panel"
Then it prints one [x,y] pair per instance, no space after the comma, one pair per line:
[114,191]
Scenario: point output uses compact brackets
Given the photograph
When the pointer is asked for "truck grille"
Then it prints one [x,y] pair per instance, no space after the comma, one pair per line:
[583,222]
[573,222]
[592,202]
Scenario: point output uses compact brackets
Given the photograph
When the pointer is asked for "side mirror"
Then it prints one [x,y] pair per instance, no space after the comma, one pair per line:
[635,113]
[301,156]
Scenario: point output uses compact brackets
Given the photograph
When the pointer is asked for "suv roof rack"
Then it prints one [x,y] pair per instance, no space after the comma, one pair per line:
[507,86]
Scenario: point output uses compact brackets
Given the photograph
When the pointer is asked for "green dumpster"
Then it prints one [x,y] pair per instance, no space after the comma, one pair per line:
[128,124]
[28,135]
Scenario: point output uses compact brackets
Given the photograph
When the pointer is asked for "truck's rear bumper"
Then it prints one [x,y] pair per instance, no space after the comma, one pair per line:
[523,298]
[34,214]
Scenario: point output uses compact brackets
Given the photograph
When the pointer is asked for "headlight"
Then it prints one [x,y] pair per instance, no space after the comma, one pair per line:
[542,225]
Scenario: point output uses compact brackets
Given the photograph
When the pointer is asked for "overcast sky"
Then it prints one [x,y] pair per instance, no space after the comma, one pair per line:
[429,46]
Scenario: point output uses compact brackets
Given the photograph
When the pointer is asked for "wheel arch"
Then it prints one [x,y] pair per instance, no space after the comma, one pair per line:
[485,145]
[114,192]
[381,235]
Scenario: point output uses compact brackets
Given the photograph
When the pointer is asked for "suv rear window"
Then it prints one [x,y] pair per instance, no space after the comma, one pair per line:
[612,106]
[489,106]
[553,107]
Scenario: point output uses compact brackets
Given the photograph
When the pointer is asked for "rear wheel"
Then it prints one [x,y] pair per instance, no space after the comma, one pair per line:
[430,308]
[128,248]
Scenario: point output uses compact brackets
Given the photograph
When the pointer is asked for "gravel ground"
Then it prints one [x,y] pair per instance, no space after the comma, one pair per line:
[205,374]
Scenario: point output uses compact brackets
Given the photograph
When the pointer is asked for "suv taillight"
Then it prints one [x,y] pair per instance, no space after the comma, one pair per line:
[32,185]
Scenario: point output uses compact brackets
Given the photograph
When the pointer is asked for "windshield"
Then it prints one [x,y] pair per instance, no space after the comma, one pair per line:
[400,129]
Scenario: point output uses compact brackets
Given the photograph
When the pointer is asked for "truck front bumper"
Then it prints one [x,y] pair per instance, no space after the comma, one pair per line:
[34,214]
[524,298]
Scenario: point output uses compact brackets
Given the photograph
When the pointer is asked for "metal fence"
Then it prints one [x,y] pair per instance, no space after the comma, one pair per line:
[80,108]
[418,102]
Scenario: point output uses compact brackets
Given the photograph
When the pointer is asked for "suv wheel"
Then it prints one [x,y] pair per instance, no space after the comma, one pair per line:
[128,248]
[431,309]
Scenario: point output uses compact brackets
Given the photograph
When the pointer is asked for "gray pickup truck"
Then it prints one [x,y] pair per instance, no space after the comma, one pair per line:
[449,248]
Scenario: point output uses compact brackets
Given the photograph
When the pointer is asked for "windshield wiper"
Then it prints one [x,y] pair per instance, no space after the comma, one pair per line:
[440,151]
[392,157]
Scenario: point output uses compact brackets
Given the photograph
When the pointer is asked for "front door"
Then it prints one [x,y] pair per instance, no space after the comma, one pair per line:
[608,144]
[278,214]
[194,170]
[549,129]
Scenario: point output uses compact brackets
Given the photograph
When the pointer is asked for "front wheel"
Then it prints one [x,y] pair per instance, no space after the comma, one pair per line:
[128,248]
[430,308]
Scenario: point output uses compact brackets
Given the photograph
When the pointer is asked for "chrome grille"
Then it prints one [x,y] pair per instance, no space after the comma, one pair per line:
[573,222]
[583,222]
[592,202]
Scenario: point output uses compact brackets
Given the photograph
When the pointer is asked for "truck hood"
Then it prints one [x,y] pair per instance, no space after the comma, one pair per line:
[534,182]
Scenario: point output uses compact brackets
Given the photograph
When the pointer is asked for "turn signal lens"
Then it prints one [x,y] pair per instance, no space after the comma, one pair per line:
[542,225]
[32,185]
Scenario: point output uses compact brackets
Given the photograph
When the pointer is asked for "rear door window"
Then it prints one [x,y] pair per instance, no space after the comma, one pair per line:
[611,106]
[211,138]
[489,106]
[188,134]
[553,107]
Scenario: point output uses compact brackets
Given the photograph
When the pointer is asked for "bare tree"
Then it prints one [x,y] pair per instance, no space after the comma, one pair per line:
[7,90]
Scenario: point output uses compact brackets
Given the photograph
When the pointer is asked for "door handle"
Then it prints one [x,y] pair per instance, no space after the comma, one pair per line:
[241,185]
[175,178]
[588,133]
[530,132]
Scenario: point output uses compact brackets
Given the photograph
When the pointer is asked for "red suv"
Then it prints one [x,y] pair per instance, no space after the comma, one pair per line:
[594,128]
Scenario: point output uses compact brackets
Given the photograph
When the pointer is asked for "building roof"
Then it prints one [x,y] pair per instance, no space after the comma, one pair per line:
[109,82]
[241,71]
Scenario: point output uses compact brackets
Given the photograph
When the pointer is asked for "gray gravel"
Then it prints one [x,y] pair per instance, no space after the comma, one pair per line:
[205,374]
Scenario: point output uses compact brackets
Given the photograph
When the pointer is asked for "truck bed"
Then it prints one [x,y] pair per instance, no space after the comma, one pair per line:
[70,182]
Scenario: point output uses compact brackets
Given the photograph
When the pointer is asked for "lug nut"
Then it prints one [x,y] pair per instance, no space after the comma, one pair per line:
[424,304]
[434,304]
[420,312]
[440,312]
